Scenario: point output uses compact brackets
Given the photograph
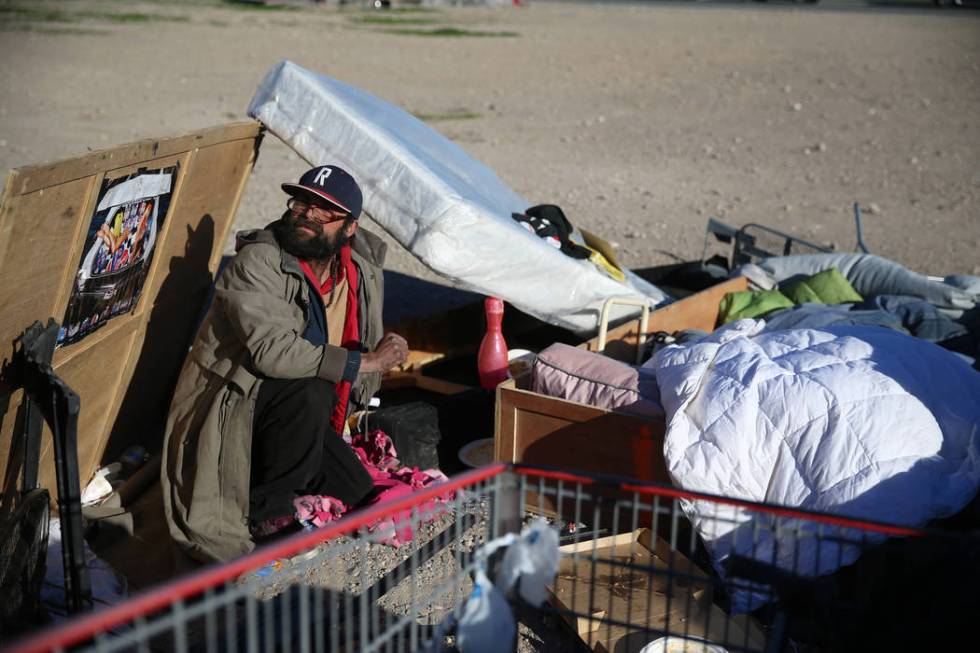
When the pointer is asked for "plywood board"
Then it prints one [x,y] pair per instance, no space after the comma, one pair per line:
[124,371]
[699,311]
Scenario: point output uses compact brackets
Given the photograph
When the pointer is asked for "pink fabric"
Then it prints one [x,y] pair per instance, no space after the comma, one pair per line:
[318,510]
[391,481]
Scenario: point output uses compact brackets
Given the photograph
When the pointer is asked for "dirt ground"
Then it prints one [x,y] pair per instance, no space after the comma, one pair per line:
[641,120]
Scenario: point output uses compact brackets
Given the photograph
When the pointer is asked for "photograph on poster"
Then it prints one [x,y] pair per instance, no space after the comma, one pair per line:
[118,250]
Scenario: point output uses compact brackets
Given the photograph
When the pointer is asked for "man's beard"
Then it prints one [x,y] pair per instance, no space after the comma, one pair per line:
[320,247]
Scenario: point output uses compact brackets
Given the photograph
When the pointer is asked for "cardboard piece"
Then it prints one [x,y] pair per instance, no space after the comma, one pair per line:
[623,586]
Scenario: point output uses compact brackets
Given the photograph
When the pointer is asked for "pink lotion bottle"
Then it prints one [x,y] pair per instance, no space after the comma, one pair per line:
[491,361]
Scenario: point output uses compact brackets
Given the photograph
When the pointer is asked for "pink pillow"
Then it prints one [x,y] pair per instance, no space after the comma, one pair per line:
[586,377]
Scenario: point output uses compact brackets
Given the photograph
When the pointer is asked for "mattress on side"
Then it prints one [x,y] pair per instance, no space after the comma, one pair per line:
[448,209]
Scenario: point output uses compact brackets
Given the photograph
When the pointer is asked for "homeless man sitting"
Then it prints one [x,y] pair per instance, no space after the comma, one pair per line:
[257,415]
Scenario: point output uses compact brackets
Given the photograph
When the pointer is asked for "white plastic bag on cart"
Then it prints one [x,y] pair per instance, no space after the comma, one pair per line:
[487,624]
[531,562]
[446,208]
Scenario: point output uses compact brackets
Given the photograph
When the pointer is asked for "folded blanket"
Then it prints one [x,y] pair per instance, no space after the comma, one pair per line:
[906,314]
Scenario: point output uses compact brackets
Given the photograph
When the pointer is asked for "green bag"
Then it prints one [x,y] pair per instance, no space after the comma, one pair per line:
[827,287]
[750,304]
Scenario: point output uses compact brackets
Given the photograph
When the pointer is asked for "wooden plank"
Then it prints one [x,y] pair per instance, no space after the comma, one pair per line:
[11,451]
[417,358]
[610,541]
[433,337]
[35,177]
[699,311]
[213,188]
[6,222]
[243,173]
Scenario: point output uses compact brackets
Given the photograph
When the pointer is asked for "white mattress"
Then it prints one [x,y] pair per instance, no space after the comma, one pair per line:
[448,209]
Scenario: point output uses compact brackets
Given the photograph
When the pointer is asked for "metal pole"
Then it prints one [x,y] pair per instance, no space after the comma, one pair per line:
[860,228]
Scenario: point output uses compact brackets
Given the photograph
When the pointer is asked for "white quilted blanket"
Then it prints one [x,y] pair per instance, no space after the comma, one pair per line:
[858,421]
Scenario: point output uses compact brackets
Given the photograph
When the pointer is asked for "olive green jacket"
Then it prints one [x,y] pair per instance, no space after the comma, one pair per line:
[253,329]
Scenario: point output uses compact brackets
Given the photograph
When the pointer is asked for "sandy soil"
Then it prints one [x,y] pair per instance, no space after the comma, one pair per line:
[641,120]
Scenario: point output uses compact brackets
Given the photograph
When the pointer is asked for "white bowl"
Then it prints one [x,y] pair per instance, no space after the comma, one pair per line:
[681,645]
[477,453]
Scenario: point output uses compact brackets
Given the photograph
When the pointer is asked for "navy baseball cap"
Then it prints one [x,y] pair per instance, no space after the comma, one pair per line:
[332,184]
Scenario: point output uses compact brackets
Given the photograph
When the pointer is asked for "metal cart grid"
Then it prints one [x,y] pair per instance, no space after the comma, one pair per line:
[337,588]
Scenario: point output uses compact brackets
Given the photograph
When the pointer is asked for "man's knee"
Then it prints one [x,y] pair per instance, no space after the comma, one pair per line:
[314,394]
[299,407]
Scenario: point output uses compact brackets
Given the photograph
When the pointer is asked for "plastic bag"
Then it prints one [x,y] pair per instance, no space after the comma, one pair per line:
[531,562]
[487,624]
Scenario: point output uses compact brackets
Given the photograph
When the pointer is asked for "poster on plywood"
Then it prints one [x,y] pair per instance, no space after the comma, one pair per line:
[118,250]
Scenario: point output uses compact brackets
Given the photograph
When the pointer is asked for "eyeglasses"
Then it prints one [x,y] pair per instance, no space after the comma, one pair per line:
[317,213]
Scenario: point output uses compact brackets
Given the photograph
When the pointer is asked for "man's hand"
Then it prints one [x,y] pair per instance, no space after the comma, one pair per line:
[391,351]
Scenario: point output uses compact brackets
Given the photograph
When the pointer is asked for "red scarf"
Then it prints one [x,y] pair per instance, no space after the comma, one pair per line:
[350,339]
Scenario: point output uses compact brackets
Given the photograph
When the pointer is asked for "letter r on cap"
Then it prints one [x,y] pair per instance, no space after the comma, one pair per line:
[322,176]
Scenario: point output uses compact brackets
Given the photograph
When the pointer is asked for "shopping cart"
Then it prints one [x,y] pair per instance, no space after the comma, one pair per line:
[632,572]
[752,242]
